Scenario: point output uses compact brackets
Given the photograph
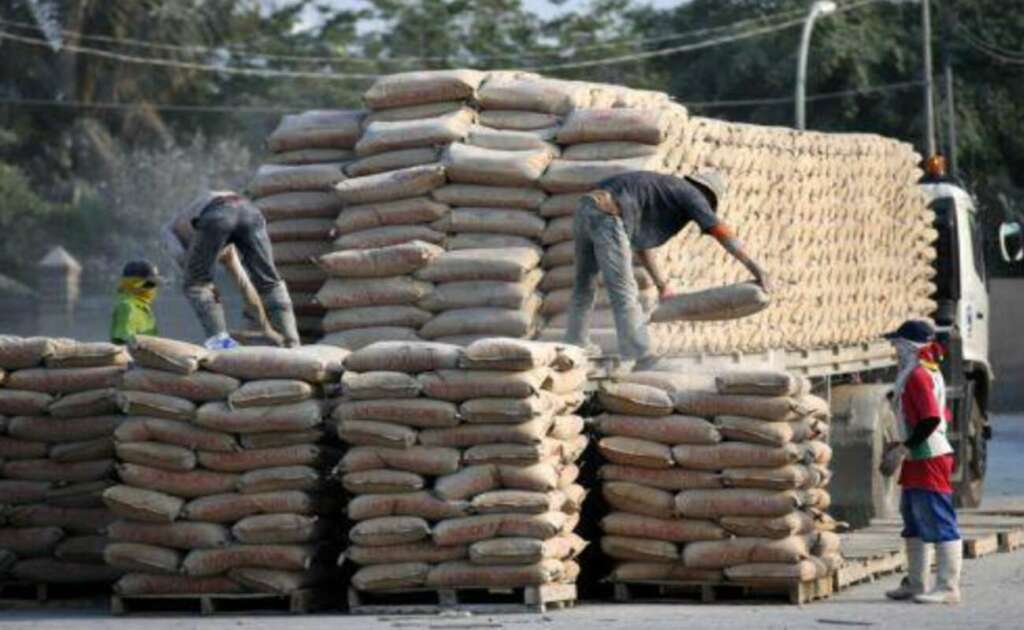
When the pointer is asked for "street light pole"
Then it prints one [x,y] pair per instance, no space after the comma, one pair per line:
[822,7]
[929,101]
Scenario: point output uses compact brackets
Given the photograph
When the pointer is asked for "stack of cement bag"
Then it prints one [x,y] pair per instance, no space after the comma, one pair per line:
[58,412]
[294,192]
[221,459]
[462,463]
[715,479]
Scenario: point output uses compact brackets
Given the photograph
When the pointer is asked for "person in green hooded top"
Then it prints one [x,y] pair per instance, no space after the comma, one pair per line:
[133,311]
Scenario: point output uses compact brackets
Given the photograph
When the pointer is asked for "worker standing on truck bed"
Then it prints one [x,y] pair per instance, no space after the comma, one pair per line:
[133,312]
[926,503]
[225,226]
[641,211]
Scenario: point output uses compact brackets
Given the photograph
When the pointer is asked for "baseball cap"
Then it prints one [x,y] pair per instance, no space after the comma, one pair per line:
[916,330]
[141,269]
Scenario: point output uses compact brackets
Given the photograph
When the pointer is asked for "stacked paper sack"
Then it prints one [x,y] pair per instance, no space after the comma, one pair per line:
[462,464]
[714,479]
[222,460]
[294,192]
[58,411]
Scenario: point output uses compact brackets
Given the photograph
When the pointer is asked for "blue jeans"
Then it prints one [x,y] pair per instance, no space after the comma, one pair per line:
[928,515]
[602,245]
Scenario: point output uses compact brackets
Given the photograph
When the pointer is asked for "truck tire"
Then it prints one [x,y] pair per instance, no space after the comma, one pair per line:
[971,488]
[862,423]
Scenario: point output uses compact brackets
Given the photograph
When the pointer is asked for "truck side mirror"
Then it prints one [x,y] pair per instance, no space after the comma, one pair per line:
[1011,241]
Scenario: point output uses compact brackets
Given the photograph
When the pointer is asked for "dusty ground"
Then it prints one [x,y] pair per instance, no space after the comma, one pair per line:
[993,587]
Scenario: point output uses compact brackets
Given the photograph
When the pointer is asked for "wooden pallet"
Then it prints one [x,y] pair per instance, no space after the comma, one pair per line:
[981,536]
[659,591]
[869,567]
[299,602]
[478,600]
[19,594]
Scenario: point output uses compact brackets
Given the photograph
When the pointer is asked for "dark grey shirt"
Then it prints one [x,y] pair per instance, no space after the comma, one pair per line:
[655,207]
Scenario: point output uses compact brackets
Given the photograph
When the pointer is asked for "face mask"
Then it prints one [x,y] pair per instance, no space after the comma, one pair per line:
[141,288]
[906,351]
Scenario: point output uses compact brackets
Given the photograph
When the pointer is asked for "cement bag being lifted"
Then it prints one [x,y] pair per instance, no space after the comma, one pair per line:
[720,303]
[421,87]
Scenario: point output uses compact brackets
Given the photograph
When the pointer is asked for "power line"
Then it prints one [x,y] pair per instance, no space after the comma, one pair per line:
[987,44]
[984,48]
[224,109]
[821,96]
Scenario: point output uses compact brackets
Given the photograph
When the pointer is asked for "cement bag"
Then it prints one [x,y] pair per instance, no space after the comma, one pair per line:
[777,409]
[49,470]
[809,569]
[388,236]
[400,212]
[423,460]
[492,221]
[415,181]
[20,403]
[633,399]
[392,260]
[200,387]
[509,140]
[65,381]
[667,430]
[532,94]
[383,482]
[422,504]
[414,552]
[52,571]
[381,136]
[755,431]
[390,530]
[510,265]
[17,353]
[520,502]
[149,584]
[509,354]
[482,294]
[410,357]
[157,455]
[529,432]
[614,150]
[194,483]
[384,577]
[661,571]
[13,492]
[733,455]
[300,230]
[413,112]
[503,551]
[174,432]
[230,507]
[483,196]
[672,383]
[279,478]
[83,521]
[79,354]
[470,529]
[562,205]
[356,292]
[673,530]
[371,433]
[356,338]
[423,86]
[392,161]
[321,128]
[462,385]
[312,156]
[270,392]
[299,205]
[567,176]
[86,549]
[468,482]
[791,524]
[279,529]
[261,458]
[278,582]
[760,383]
[479,321]
[31,541]
[142,558]
[715,304]
[508,410]
[620,124]
[464,574]
[166,355]
[205,562]
[271,440]
[637,499]
[566,427]
[468,164]
[558,230]
[313,364]
[95,402]
[639,549]
[22,449]
[272,179]
[782,478]
[517,120]
[420,413]
[219,416]
[633,452]
[304,277]
[86,494]
[298,252]
[179,535]
[372,385]
[735,502]
[815,452]
[52,430]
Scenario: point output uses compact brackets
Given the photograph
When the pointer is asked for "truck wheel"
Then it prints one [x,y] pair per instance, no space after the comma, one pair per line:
[971,488]
[862,423]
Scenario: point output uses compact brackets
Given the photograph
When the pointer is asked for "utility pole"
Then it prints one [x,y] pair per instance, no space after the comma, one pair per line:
[948,25]
[823,7]
[929,101]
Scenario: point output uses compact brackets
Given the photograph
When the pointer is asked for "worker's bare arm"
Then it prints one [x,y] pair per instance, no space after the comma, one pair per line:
[728,240]
[651,265]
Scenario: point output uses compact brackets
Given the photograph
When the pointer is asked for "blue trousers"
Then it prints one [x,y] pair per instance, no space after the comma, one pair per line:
[928,515]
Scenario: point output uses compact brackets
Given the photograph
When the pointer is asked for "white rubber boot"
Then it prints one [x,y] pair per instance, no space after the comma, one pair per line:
[947,585]
[919,562]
